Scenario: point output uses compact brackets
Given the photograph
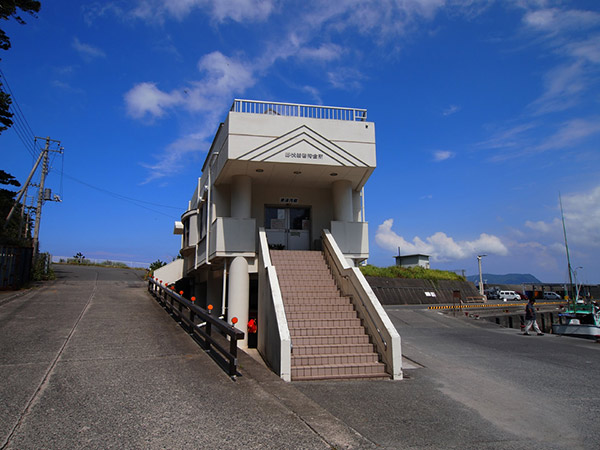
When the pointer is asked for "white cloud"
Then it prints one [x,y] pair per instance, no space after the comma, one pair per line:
[439,246]
[87,51]
[347,78]
[554,20]
[563,85]
[220,10]
[223,77]
[146,99]
[324,53]
[582,217]
[442,155]
[570,133]
[543,227]
[452,109]
[582,221]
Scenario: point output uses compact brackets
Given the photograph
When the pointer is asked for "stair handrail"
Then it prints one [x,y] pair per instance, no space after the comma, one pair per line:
[274,339]
[353,284]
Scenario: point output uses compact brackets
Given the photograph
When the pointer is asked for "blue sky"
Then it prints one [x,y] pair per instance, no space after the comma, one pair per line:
[484,112]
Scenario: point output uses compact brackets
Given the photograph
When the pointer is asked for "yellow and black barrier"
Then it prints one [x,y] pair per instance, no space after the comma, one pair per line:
[490,305]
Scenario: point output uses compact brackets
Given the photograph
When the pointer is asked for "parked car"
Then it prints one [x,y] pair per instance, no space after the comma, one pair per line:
[552,296]
[492,294]
[509,295]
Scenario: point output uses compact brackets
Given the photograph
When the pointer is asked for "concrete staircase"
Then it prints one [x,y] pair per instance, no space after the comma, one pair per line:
[328,339]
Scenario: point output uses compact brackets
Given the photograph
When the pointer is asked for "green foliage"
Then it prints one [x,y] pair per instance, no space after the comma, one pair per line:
[79,258]
[8,9]
[409,272]
[42,268]
[11,233]
[157,265]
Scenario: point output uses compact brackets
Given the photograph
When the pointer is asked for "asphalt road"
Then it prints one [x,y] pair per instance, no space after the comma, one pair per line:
[481,386]
[92,361]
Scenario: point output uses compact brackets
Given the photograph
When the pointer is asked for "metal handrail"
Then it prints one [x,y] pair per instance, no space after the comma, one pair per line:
[199,323]
[299,110]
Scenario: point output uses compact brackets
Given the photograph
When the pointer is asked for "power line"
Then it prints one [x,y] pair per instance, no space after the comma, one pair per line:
[134,201]
[20,124]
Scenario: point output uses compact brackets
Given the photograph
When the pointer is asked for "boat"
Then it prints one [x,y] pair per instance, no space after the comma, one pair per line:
[581,318]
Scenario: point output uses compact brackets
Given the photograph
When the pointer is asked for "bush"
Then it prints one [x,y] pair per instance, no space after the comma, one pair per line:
[419,273]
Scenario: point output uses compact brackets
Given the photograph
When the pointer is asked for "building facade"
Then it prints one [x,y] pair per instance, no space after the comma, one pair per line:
[288,171]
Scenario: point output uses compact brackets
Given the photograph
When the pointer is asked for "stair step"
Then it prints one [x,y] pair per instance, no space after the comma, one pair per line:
[341,339]
[320,307]
[317,299]
[334,359]
[301,350]
[316,314]
[339,371]
[326,331]
[320,323]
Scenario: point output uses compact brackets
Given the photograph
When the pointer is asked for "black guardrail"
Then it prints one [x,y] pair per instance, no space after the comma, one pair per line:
[199,322]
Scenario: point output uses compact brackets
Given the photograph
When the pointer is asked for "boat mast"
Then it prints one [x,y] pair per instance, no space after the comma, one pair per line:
[566,244]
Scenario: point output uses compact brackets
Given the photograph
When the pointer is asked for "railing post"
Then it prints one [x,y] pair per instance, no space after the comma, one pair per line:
[233,353]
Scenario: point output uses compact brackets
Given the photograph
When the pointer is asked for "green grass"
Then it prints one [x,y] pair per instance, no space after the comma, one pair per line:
[409,272]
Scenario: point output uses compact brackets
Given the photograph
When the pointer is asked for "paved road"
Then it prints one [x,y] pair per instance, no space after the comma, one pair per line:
[92,361]
[481,386]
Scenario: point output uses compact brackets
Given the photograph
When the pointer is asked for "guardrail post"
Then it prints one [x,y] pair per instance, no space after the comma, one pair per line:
[233,352]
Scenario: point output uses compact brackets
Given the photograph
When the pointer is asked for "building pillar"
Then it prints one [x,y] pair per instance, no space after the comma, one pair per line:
[239,296]
[241,197]
[357,206]
[342,201]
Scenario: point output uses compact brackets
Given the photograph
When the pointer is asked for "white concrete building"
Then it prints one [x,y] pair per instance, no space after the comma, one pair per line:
[281,176]
[416,260]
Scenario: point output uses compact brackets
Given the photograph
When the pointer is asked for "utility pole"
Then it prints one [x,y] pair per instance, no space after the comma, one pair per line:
[44,158]
[40,200]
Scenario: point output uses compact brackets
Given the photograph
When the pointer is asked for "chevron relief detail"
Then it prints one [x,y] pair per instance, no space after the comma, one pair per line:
[303,145]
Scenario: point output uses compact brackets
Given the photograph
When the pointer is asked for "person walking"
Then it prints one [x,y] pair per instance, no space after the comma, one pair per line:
[530,315]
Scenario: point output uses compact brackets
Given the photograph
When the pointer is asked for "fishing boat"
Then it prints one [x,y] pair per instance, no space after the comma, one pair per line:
[581,318]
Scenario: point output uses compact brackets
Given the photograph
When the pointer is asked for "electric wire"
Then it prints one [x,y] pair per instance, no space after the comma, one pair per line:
[137,202]
[20,124]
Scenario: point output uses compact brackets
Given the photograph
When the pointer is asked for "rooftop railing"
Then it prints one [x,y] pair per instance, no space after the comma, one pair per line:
[299,110]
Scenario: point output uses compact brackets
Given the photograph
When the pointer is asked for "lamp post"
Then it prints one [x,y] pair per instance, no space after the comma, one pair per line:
[480,274]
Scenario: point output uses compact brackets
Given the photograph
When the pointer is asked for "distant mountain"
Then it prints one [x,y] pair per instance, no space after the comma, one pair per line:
[510,278]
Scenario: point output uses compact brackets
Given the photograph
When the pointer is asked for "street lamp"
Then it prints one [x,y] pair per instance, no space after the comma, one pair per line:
[480,274]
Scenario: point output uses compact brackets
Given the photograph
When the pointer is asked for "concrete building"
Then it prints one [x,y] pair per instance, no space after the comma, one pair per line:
[283,182]
[416,260]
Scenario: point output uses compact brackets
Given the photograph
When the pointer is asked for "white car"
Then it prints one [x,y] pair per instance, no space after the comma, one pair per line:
[551,296]
[509,295]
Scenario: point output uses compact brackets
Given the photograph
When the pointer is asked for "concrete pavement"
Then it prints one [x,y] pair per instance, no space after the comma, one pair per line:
[92,361]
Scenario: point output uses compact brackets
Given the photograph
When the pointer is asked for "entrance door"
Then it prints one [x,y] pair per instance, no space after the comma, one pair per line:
[288,227]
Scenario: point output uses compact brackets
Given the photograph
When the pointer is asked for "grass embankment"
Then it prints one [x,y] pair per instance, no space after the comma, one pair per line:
[418,273]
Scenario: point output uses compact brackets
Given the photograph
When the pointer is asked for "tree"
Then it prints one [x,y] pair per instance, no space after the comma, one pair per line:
[10,234]
[157,265]
[8,9]
[79,257]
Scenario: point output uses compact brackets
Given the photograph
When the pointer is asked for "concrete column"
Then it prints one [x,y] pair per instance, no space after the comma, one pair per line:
[238,298]
[342,201]
[357,206]
[241,197]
